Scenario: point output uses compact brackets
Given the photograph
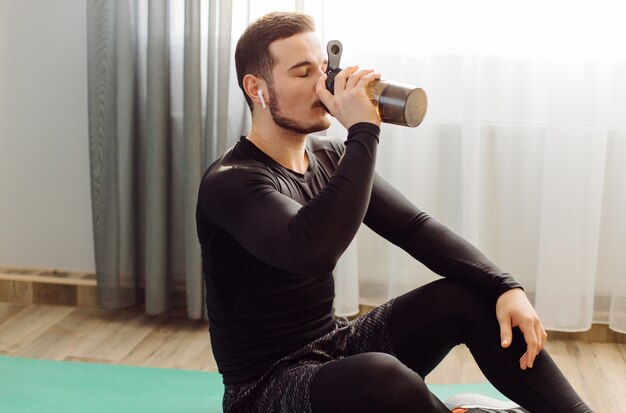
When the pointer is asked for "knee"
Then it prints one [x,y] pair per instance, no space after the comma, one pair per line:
[399,389]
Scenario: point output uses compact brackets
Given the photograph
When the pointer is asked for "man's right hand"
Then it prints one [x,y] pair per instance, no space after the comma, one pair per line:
[350,103]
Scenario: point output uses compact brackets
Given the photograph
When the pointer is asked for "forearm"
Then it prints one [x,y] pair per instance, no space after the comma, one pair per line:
[395,218]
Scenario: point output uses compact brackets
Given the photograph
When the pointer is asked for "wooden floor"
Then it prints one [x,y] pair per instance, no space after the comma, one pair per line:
[596,370]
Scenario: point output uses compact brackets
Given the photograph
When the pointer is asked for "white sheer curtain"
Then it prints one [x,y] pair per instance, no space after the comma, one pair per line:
[522,151]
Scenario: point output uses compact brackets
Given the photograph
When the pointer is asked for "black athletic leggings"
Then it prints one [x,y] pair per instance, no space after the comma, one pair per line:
[426,324]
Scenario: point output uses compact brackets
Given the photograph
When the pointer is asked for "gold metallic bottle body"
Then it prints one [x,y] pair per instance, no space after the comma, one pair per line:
[398,103]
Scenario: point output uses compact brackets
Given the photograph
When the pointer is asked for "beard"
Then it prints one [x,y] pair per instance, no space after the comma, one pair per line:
[291,124]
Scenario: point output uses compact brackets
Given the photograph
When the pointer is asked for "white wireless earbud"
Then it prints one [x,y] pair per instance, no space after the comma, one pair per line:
[260,93]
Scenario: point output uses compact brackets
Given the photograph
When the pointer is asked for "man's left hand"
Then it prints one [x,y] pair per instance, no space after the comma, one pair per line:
[514,310]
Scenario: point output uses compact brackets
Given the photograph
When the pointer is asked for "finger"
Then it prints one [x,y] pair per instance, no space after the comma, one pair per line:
[369,78]
[325,96]
[541,335]
[354,79]
[505,332]
[532,342]
[523,361]
[342,78]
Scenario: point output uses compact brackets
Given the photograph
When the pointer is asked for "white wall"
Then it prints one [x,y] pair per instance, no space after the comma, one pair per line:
[45,206]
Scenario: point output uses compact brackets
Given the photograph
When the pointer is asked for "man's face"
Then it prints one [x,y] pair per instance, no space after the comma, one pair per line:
[293,103]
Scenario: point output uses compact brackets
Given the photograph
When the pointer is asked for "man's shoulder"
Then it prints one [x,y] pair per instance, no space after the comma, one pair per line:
[230,169]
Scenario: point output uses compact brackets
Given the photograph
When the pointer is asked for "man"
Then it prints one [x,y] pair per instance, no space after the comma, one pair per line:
[275,213]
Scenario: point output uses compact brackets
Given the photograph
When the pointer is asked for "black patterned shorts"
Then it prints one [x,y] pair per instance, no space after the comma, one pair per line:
[286,385]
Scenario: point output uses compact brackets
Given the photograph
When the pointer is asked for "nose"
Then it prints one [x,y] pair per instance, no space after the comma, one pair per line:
[319,72]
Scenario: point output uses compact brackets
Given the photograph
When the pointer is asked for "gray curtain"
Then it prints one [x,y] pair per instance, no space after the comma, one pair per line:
[147,152]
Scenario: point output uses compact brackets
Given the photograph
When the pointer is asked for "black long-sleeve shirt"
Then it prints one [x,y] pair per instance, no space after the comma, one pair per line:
[271,237]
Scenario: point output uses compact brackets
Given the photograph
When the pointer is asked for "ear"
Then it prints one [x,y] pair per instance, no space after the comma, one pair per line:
[252,85]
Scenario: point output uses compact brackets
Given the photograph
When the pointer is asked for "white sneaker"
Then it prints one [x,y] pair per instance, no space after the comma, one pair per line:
[473,402]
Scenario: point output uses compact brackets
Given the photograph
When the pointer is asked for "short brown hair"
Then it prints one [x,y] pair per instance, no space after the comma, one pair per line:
[252,55]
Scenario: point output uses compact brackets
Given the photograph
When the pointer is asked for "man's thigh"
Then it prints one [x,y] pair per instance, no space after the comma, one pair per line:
[422,326]
[427,322]
[285,390]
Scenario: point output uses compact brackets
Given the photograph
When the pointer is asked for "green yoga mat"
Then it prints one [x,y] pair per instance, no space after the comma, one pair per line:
[29,386]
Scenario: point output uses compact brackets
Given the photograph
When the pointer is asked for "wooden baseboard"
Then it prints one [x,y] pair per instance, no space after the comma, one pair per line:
[44,286]
[598,333]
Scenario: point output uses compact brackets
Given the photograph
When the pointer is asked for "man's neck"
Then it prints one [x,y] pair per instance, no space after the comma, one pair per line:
[285,147]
